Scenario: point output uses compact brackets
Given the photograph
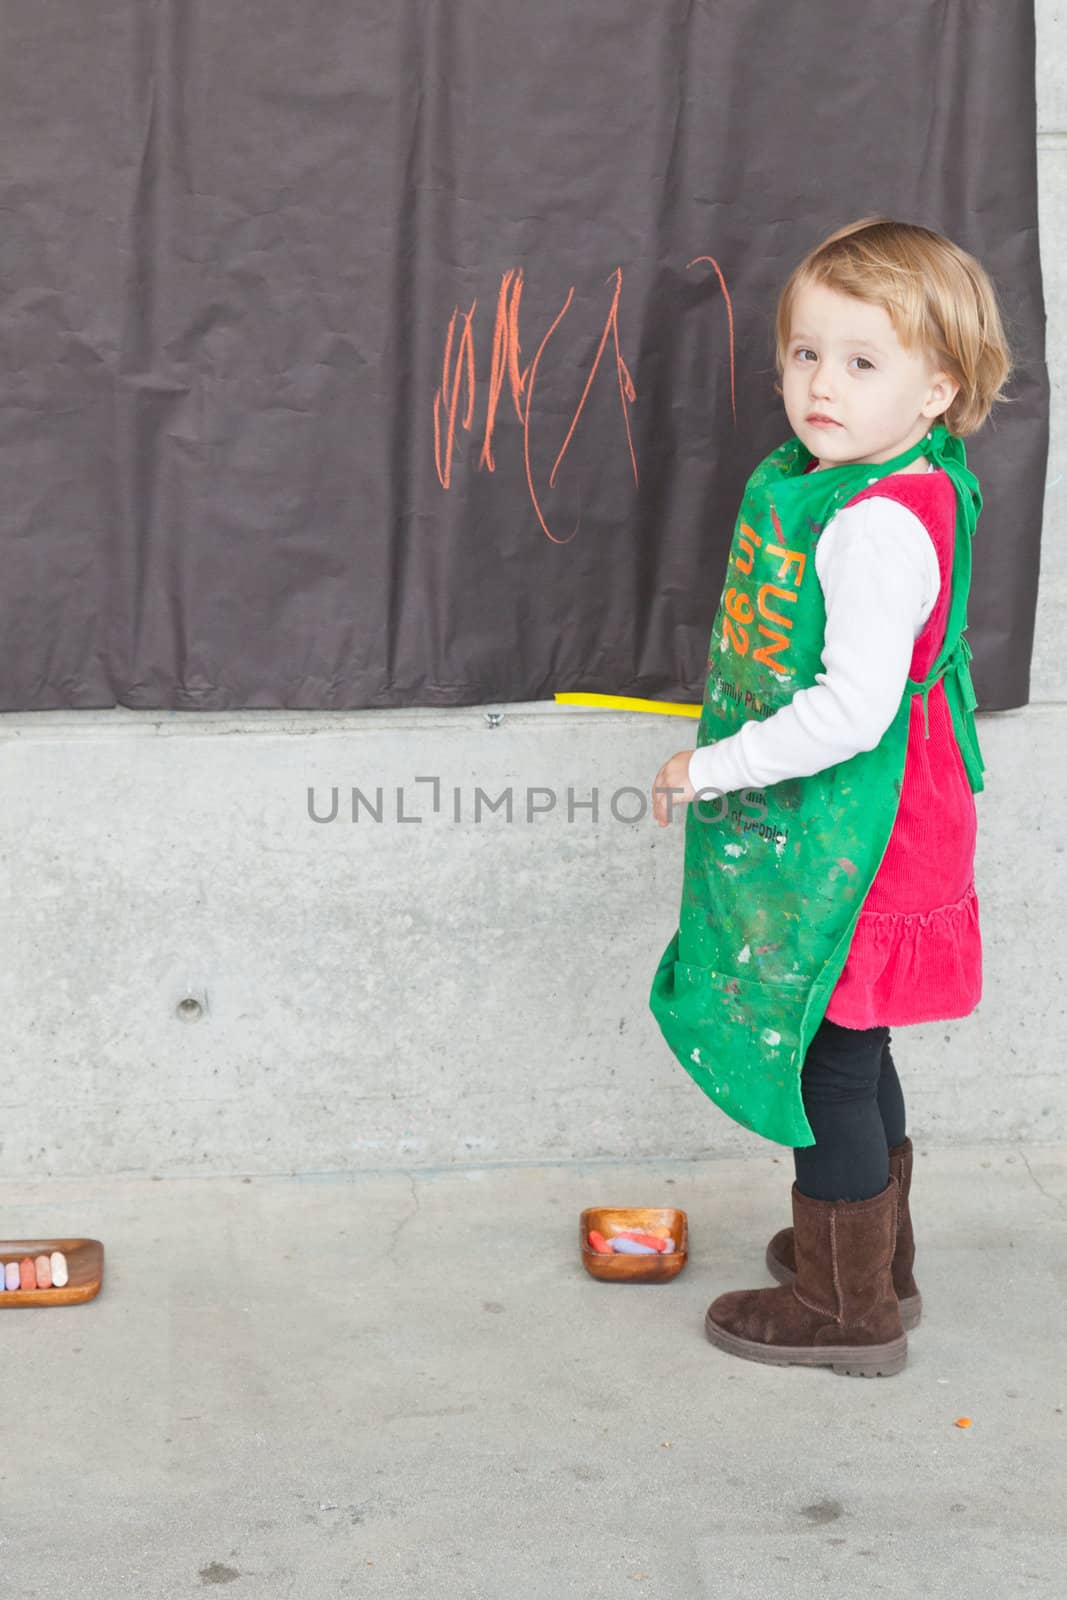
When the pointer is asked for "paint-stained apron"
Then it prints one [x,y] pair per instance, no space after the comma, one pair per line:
[775,879]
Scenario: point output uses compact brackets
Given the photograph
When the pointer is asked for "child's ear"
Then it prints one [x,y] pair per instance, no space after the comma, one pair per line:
[943,390]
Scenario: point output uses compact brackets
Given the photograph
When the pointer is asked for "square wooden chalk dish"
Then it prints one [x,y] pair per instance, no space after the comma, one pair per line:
[634,1219]
[85,1271]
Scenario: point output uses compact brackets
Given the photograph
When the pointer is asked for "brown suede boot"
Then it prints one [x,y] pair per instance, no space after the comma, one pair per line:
[781,1257]
[841,1310]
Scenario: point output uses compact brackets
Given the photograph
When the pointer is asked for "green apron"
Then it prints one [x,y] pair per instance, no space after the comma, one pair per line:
[775,879]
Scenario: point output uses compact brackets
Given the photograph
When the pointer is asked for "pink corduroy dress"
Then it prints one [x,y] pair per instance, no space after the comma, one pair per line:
[916,955]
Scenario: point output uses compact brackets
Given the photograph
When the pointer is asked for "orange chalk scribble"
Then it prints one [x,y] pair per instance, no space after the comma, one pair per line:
[526,424]
[506,351]
[729,319]
[627,393]
[459,370]
[450,381]
[505,361]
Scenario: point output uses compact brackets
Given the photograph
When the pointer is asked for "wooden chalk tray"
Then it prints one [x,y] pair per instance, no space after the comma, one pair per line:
[636,1219]
[85,1271]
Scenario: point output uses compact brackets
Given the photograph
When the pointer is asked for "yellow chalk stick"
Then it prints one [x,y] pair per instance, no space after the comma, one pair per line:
[621,702]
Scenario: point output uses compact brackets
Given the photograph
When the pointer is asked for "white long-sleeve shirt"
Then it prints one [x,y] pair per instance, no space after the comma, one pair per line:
[878,571]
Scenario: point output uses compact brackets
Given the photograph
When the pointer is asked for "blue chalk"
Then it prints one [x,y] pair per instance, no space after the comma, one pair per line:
[630,1247]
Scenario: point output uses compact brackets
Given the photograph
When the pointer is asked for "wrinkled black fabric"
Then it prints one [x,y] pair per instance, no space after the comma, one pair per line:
[234,238]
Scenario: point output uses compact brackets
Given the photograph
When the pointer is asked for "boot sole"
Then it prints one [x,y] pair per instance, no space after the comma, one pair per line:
[851,1361]
[911,1309]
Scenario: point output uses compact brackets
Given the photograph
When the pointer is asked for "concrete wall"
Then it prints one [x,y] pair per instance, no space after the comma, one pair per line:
[196,977]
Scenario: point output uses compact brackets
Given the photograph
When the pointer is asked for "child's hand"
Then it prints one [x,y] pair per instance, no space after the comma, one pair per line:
[674,774]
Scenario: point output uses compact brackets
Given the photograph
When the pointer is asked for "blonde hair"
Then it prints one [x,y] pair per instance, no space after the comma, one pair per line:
[940,300]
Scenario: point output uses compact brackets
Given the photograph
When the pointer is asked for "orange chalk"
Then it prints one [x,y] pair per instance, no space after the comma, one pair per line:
[598,1243]
[652,1239]
[27,1275]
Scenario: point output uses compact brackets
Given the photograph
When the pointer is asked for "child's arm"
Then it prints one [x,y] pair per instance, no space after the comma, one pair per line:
[878,570]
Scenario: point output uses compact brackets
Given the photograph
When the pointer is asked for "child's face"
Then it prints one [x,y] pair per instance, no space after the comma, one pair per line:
[844,361]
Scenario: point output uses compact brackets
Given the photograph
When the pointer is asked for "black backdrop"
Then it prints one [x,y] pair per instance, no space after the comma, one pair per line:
[244,463]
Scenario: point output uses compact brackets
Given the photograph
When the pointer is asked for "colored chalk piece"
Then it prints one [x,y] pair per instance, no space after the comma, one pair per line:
[58,1263]
[598,1243]
[27,1275]
[630,1247]
[11,1274]
[44,1272]
[653,1240]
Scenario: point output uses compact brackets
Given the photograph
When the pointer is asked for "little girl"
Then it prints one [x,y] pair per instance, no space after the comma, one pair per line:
[829,851]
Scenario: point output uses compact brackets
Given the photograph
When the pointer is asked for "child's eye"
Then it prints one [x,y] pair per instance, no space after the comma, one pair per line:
[802,351]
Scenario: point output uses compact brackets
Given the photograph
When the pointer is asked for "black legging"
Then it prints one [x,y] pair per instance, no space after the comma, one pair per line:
[855,1105]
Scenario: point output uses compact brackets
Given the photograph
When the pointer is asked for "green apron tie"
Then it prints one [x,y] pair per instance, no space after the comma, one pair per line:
[952,661]
[959,692]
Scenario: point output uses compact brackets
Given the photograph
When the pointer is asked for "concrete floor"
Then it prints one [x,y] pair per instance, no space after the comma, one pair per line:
[404,1384]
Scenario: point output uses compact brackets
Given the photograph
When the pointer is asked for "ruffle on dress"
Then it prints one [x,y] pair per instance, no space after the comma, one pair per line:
[907,967]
